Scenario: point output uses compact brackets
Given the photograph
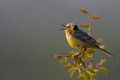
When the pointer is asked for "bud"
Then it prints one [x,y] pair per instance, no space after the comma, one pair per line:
[58,56]
[96,17]
[83,10]
[84,25]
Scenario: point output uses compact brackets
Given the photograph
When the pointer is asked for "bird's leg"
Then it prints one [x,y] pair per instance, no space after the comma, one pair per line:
[79,50]
[84,49]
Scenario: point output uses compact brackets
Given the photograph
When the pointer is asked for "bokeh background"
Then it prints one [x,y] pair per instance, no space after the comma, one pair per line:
[30,36]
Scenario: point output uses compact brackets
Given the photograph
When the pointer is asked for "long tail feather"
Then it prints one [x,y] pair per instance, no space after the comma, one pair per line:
[109,54]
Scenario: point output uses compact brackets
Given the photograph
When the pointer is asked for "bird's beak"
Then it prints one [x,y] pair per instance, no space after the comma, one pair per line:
[64,26]
[62,29]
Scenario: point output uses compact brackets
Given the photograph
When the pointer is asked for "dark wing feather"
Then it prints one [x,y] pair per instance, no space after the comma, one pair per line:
[79,34]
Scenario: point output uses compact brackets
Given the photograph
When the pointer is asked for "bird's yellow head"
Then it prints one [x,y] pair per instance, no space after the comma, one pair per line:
[70,27]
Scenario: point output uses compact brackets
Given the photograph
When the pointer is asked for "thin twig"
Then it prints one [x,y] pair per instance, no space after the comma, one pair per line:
[90,23]
[89,32]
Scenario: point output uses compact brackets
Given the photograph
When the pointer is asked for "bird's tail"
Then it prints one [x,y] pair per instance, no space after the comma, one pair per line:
[106,52]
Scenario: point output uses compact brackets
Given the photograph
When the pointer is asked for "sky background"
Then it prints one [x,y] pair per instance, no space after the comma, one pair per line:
[30,36]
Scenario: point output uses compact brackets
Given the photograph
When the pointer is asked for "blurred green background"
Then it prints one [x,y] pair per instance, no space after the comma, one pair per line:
[30,36]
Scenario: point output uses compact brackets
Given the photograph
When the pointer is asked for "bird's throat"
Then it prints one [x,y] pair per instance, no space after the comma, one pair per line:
[68,32]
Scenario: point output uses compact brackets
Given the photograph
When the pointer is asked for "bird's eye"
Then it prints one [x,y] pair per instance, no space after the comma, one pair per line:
[67,26]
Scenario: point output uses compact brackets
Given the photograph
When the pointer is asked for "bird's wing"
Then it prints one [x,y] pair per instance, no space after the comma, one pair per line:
[81,35]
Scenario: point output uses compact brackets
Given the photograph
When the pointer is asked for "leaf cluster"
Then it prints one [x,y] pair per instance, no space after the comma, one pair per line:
[73,63]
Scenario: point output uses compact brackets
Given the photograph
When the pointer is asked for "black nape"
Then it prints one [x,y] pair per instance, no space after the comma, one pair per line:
[75,27]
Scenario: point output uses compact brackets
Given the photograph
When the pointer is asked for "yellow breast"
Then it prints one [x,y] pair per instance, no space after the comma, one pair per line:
[72,41]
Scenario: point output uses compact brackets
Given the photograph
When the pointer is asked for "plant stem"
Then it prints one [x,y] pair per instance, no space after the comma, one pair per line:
[90,23]
[89,32]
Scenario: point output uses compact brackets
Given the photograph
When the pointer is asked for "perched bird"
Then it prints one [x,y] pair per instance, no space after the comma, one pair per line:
[76,37]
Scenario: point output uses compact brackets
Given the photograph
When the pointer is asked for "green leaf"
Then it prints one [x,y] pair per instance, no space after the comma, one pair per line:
[63,61]
[71,73]
[71,52]
[84,10]
[89,52]
[72,70]
[58,56]
[80,75]
[94,74]
[91,69]
[84,57]
[87,75]
[102,61]
[103,69]
[68,65]
[73,58]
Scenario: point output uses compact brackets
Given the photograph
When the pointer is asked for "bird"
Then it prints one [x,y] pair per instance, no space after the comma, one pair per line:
[77,37]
